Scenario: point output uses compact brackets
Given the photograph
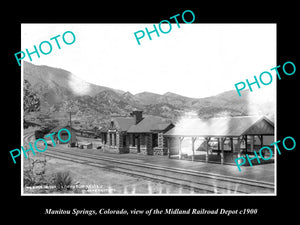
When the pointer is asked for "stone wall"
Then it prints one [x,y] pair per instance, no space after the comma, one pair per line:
[146,144]
[110,149]
[133,149]
[149,146]
[160,141]
[143,150]
[162,146]
[160,151]
[116,139]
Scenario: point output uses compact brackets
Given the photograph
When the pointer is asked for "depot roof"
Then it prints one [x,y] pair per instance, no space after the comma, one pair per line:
[223,127]
[149,124]
[146,125]
[122,123]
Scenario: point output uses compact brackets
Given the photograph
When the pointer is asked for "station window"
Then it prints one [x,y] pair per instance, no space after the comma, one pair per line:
[124,140]
[133,140]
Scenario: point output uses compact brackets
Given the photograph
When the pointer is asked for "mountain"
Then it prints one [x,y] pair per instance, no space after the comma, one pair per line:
[147,98]
[54,83]
[174,95]
[51,89]
[131,99]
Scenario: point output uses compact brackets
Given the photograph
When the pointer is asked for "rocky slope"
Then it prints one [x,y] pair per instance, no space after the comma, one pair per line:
[96,104]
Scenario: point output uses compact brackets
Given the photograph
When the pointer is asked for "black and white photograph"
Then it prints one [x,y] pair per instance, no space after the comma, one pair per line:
[184,113]
[149,111]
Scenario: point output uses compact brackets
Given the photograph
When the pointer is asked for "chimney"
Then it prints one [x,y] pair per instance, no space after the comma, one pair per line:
[138,116]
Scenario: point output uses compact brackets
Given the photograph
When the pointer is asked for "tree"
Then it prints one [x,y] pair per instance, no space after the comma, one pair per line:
[31,102]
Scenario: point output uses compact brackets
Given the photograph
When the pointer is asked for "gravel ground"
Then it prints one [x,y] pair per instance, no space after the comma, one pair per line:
[87,179]
[91,180]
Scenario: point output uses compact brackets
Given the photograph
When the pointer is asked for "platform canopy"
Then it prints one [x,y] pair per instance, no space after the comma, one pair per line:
[223,127]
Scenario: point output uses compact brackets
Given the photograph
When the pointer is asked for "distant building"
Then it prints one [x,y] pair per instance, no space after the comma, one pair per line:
[136,134]
[64,135]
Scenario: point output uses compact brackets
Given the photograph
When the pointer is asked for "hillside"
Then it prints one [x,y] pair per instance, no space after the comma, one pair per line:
[55,88]
[54,83]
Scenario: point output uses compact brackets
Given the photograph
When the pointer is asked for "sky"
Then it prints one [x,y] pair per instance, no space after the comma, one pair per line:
[195,60]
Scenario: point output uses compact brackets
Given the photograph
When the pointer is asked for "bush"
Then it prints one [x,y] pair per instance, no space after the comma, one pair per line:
[35,173]
[62,181]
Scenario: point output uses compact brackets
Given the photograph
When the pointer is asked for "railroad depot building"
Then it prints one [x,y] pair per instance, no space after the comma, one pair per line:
[219,139]
[136,134]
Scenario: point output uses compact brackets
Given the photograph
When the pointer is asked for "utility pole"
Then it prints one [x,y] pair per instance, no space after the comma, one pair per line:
[70,119]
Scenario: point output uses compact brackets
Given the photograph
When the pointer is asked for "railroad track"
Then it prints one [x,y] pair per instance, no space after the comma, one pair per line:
[27,138]
[199,181]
